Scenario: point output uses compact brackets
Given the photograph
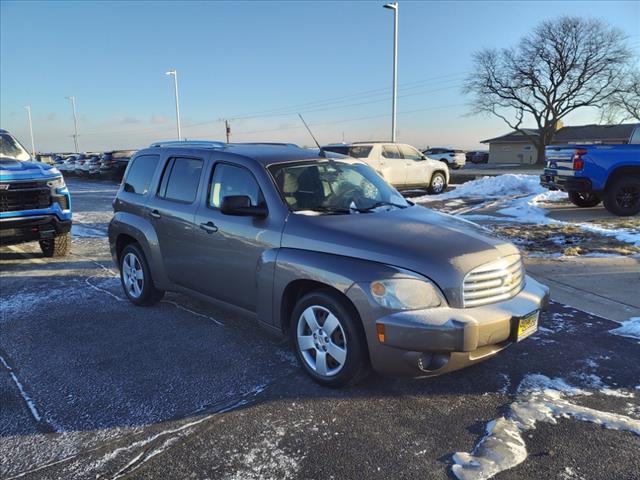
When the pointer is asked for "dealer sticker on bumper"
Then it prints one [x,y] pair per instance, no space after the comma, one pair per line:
[527,325]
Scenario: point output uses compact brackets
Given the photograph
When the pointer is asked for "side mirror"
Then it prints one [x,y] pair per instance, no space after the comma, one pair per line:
[240,205]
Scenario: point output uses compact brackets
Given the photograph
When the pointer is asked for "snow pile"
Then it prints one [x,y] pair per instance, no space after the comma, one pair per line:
[539,399]
[492,187]
[630,328]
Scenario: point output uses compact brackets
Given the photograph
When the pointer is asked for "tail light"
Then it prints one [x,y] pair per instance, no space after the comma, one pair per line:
[578,162]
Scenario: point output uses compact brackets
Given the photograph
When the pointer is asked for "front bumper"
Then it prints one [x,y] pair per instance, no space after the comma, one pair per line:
[426,343]
[15,230]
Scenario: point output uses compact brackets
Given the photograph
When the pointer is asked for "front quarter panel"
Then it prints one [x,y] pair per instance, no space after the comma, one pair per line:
[334,271]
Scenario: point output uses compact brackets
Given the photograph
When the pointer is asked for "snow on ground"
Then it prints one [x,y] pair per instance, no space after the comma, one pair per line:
[539,399]
[630,328]
[522,200]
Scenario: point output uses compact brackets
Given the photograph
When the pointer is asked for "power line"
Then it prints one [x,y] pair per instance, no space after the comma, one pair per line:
[294,109]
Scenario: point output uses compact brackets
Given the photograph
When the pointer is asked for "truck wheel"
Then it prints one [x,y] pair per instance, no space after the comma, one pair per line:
[57,246]
[584,200]
[327,337]
[438,183]
[622,196]
[135,276]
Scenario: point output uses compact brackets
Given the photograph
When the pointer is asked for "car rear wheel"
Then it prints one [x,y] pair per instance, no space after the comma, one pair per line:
[584,200]
[136,277]
[328,340]
[58,246]
[622,196]
[438,183]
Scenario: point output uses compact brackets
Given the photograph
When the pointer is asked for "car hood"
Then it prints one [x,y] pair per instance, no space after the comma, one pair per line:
[11,169]
[438,246]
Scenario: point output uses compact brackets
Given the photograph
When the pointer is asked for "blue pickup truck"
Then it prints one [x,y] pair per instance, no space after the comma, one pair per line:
[34,201]
[591,174]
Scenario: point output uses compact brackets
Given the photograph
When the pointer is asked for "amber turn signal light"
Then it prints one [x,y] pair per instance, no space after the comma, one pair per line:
[380,331]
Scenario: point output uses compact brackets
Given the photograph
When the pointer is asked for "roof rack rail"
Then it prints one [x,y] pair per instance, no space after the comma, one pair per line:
[275,144]
[190,144]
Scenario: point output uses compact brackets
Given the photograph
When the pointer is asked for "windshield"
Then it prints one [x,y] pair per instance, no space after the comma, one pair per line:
[334,186]
[11,148]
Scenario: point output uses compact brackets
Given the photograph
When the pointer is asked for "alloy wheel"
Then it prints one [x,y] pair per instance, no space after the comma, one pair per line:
[322,341]
[133,275]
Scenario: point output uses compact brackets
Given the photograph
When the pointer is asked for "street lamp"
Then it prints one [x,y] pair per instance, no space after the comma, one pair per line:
[394,6]
[174,74]
[33,147]
[75,122]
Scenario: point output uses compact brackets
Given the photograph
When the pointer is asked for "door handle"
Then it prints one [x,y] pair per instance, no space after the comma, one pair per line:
[154,214]
[209,227]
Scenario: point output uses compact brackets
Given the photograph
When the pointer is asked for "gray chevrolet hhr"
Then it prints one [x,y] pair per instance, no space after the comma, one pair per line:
[324,251]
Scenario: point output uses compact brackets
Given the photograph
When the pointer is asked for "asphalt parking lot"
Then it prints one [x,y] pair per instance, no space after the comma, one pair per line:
[93,387]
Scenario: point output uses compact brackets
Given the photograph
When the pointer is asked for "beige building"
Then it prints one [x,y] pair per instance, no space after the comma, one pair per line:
[515,147]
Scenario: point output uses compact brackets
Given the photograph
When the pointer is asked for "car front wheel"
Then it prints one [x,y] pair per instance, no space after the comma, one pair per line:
[136,277]
[328,340]
[438,183]
[584,200]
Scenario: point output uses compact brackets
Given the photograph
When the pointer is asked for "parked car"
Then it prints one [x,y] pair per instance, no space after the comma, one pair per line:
[324,251]
[591,174]
[401,165]
[453,158]
[113,164]
[477,156]
[46,158]
[92,164]
[35,204]
[68,167]
[81,158]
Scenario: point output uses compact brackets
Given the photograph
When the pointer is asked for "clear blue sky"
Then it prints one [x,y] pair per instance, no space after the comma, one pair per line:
[329,60]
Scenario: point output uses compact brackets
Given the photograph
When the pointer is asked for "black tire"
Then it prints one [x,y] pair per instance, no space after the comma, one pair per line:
[438,183]
[149,294]
[622,196]
[57,246]
[356,365]
[584,200]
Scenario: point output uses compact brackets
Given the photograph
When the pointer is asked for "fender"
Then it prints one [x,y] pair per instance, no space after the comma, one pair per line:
[335,271]
[142,231]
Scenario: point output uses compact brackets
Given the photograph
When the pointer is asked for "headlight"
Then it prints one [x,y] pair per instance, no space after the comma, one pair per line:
[406,294]
[57,182]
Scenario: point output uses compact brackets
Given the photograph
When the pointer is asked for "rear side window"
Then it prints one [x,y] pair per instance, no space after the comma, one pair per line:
[410,153]
[360,151]
[390,151]
[180,179]
[635,136]
[231,180]
[140,174]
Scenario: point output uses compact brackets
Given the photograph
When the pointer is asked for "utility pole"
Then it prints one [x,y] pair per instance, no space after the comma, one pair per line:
[227,129]
[174,74]
[33,147]
[394,6]
[75,122]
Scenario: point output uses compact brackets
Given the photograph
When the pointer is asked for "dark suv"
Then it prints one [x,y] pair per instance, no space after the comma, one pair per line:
[113,164]
[321,249]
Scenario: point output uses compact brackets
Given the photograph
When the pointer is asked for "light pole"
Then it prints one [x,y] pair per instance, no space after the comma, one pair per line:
[33,146]
[174,74]
[394,6]
[75,122]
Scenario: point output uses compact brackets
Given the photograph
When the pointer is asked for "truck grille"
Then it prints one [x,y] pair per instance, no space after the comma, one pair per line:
[25,196]
[493,282]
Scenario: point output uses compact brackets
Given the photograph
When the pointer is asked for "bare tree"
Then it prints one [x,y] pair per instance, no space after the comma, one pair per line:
[563,65]
[624,105]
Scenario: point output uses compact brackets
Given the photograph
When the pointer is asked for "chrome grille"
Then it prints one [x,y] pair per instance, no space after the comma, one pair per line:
[493,282]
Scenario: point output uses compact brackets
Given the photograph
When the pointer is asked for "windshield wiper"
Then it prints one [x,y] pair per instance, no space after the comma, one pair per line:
[330,210]
[381,204]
